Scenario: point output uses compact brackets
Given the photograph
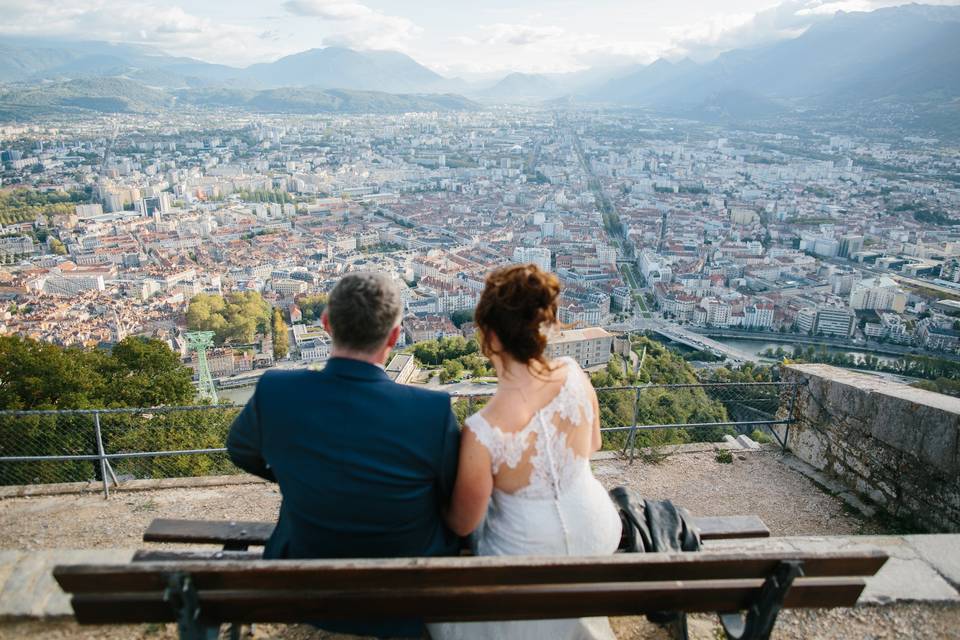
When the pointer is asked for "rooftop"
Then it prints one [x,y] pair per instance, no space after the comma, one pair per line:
[574,335]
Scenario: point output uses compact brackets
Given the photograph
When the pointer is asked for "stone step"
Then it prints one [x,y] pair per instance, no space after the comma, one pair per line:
[921,568]
[27,587]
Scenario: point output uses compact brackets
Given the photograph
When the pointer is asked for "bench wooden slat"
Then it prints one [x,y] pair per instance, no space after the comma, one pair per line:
[189,555]
[455,572]
[730,527]
[208,531]
[257,533]
[489,603]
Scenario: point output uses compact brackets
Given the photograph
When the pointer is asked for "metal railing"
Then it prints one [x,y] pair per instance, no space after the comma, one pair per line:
[110,446]
[697,412]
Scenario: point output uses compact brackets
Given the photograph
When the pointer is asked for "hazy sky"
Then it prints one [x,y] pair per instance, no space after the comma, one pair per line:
[453,37]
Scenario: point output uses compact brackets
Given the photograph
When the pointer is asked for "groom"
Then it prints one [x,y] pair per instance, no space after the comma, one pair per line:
[365,465]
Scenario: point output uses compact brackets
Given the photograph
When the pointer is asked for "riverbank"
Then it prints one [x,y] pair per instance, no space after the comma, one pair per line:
[789,340]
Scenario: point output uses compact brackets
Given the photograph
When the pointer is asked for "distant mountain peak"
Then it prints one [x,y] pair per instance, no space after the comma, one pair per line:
[897,52]
[524,87]
[26,59]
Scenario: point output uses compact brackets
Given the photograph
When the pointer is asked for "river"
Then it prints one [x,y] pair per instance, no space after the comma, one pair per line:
[236,395]
[757,347]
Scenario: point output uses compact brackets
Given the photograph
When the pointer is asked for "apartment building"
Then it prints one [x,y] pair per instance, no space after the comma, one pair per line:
[590,347]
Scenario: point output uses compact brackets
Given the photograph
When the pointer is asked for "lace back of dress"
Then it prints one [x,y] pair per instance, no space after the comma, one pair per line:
[539,460]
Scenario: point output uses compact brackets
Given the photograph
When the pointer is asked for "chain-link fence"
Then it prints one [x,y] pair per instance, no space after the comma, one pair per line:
[113,445]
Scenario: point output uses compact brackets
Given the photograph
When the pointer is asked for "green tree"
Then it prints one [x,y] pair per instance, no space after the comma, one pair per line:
[177,430]
[312,306]
[460,318]
[477,364]
[27,205]
[427,352]
[656,405]
[57,247]
[940,385]
[146,373]
[38,375]
[281,340]
[437,352]
[615,368]
[452,369]
[237,317]
[137,372]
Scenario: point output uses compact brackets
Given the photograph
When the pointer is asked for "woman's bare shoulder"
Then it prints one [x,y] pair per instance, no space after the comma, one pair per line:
[502,411]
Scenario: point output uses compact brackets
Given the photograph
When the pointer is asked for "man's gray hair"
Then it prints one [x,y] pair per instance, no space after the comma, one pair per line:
[363,308]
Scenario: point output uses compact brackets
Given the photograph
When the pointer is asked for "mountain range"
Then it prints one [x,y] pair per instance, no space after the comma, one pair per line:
[34,59]
[901,53]
[905,52]
[122,95]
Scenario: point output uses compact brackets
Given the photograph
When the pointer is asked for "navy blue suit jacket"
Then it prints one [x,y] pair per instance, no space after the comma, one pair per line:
[365,466]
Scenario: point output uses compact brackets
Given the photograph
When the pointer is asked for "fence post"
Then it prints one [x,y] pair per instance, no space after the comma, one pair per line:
[469,408]
[113,474]
[100,452]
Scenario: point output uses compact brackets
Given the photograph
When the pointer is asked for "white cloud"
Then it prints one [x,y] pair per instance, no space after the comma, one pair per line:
[789,19]
[165,27]
[708,38]
[546,49]
[466,41]
[458,40]
[359,26]
[328,9]
[520,34]
[176,31]
[701,37]
[830,8]
[600,52]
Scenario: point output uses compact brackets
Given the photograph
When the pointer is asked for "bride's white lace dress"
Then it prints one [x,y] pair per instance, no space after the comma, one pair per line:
[563,510]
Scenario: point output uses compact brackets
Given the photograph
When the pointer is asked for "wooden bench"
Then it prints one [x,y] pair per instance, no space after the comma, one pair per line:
[201,595]
[239,536]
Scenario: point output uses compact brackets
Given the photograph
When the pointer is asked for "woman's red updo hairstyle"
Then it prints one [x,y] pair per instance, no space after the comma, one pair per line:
[518,303]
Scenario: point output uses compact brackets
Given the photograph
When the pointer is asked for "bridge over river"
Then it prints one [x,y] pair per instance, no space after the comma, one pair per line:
[682,335]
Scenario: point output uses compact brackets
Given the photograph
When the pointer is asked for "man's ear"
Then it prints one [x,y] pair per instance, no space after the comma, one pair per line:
[393,337]
[325,321]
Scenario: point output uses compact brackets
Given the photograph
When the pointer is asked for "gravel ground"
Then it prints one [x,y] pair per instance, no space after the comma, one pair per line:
[90,521]
[754,483]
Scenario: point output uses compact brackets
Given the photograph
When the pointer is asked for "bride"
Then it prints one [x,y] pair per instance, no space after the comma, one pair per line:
[524,483]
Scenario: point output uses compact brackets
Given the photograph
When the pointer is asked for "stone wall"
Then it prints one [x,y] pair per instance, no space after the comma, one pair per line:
[895,446]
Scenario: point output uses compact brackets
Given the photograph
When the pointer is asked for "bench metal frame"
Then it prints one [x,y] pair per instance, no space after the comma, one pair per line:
[236,537]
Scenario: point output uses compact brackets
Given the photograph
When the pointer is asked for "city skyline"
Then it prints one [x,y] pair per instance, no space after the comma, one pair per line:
[449,38]
[145,196]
